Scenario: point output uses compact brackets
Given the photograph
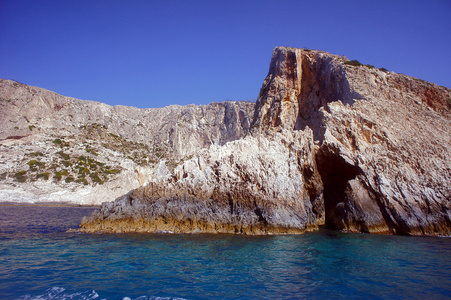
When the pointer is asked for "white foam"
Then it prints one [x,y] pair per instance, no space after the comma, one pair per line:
[57,293]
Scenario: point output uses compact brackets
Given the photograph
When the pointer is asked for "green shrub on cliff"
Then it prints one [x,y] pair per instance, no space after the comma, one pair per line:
[44,175]
[59,175]
[82,180]
[92,151]
[353,62]
[112,171]
[35,164]
[21,176]
[37,153]
[95,178]
[83,170]
[63,155]
[67,163]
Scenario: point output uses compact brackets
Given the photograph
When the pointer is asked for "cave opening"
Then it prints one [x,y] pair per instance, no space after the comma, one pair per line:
[335,173]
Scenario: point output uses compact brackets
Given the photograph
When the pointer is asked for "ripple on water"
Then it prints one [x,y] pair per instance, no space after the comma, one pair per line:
[53,264]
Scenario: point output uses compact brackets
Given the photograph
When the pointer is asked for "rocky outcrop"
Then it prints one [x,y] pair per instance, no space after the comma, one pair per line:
[56,148]
[332,143]
[259,184]
[396,147]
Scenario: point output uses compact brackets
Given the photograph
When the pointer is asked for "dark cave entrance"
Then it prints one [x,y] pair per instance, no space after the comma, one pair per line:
[335,173]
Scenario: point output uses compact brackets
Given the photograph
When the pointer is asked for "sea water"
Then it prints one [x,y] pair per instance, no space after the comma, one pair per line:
[40,260]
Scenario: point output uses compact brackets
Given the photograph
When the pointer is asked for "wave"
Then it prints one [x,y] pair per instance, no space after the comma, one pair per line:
[59,293]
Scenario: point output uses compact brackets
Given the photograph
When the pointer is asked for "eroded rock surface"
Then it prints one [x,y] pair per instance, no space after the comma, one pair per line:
[347,146]
[258,184]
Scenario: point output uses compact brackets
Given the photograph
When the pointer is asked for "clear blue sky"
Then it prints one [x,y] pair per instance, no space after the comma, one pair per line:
[157,53]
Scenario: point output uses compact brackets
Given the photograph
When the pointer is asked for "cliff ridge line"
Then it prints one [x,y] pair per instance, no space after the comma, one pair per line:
[57,148]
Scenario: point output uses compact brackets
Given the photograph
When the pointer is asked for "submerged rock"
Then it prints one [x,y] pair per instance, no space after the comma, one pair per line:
[347,146]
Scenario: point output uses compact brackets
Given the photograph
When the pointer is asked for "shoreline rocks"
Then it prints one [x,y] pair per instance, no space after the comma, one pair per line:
[223,190]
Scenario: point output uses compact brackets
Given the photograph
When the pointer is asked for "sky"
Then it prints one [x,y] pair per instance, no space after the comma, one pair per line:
[158,53]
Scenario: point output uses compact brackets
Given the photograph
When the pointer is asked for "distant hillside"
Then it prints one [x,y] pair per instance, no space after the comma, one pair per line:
[56,148]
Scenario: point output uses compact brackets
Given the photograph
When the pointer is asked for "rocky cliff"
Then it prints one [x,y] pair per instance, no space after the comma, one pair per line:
[332,142]
[56,148]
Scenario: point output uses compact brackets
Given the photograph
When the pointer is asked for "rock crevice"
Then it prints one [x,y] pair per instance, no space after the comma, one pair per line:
[299,84]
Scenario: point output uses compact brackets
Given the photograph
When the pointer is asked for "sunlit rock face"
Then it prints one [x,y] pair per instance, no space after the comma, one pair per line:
[299,83]
[384,140]
[330,143]
[260,184]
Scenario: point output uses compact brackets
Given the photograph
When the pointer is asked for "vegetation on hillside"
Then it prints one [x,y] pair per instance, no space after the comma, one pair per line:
[84,159]
[356,63]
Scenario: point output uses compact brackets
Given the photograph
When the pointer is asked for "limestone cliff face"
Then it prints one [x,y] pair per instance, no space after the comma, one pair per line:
[396,145]
[331,143]
[384,140]
[299,83]
[258,184]
[56,148]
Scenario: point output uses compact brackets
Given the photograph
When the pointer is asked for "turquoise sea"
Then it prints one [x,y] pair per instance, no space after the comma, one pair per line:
[40,260]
